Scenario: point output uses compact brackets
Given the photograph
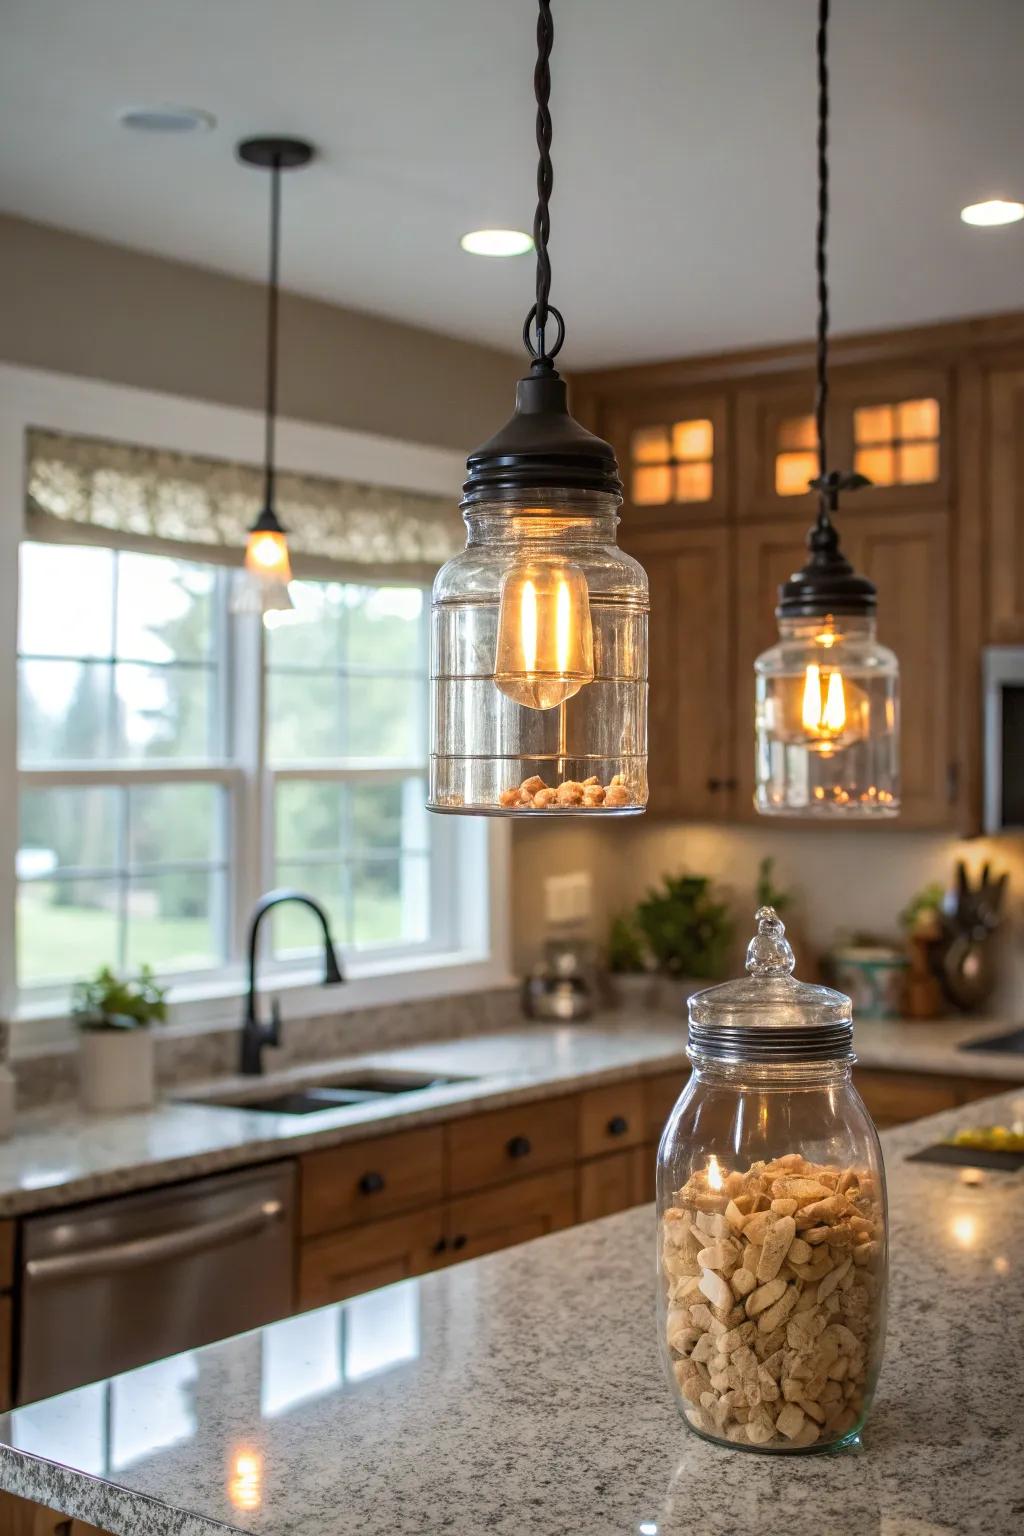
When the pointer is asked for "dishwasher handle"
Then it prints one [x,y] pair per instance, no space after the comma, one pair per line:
[177,1244]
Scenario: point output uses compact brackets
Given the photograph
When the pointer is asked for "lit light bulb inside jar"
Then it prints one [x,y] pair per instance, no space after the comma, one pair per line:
[545,649]
[266,555]
[824,707]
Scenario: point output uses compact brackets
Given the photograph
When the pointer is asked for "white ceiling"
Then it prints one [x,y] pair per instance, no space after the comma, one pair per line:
[683,208]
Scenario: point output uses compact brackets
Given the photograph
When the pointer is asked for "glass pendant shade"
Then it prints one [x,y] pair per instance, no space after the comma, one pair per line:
[266,556]
[827,720]
[539,629]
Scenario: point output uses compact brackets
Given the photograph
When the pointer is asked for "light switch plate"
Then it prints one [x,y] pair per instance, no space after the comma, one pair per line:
[568,898]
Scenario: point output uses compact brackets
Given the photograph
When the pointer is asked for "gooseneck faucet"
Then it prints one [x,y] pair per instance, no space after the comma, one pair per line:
[254,1034]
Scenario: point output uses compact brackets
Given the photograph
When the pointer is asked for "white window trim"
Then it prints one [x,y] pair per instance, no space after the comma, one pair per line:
[34,398]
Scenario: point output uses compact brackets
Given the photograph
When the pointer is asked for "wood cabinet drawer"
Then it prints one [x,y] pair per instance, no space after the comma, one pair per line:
[365,1257]
[660,1094]
[611,1118]
[511,1144]
[970,1088]
[616,1182]
[368,1180]
[893,1098]
[515,1213]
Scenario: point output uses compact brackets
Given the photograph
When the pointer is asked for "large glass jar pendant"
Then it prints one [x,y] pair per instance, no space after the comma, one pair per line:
[539,628]
[827,698]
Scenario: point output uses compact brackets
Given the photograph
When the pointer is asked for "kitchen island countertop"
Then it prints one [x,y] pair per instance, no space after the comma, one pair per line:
[522,1393]
[60,1156]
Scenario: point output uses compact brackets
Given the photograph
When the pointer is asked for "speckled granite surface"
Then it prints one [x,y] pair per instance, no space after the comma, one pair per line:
[60,1156]
[522,1393]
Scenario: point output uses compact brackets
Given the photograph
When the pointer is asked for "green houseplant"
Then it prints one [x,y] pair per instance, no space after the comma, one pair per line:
[687,928]
[629,962]
[116,1055]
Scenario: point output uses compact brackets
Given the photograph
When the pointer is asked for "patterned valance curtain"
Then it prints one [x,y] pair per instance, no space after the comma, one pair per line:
[86,489]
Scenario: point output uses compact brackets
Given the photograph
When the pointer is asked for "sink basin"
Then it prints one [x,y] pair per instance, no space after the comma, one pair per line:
[356,1088]
[1011,1043]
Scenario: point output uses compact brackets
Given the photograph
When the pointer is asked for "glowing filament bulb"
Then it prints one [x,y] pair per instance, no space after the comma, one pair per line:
[834,718]
[823,712]
[545,649]
[266,555]
[812,698]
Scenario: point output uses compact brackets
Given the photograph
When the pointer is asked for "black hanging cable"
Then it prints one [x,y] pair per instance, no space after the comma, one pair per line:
[542,309]
[270,420]
[827,492]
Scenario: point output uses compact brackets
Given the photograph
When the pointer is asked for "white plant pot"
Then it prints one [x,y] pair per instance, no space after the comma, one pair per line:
[116,1069]
[634,990]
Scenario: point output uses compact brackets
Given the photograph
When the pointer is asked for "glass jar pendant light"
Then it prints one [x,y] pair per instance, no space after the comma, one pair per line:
[539,626]
[826,716]
[264,585]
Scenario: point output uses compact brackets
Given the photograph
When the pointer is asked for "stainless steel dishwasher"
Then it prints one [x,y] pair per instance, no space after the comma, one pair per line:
[115,1284]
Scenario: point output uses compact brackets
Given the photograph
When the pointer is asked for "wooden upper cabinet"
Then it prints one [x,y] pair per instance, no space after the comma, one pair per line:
[673,458]
[775,450]
[1005,573]
[895,427]
[689,722]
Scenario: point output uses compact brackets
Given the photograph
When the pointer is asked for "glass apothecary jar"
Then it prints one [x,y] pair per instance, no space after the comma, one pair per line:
[772,1233]
[539,630]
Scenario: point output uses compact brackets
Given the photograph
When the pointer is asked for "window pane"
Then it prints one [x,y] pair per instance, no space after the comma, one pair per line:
[649,445]
[308,818]
[390,901]
[918,463]
[793,471]
[176,921]
[66,829]
[315,636]
[385,715]
[165,609]
[873,424]
[63,711]
[390,815]
[67,929]
[876,463]
[652,487]
[176,823]
[693,440]
[294,926]
[164,711]
[385,627]
[693,482]
[304,716]
[918,418]
[796,432]
[66,600]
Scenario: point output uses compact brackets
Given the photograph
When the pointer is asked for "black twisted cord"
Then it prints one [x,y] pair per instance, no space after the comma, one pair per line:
[270,417]
[543,309]
[827,493]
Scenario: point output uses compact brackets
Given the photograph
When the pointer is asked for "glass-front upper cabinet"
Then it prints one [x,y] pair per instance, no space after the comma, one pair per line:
[892,427]
[673,458]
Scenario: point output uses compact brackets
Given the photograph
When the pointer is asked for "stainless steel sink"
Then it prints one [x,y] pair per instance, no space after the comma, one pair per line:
[1011,1043]
[357,1088]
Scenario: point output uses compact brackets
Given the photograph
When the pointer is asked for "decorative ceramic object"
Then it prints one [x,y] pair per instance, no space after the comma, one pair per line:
[117,1070]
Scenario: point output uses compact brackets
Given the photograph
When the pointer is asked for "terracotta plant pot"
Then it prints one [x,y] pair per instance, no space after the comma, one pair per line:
[116,1070]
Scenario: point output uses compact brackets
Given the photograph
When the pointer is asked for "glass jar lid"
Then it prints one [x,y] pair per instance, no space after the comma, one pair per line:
[769,1015]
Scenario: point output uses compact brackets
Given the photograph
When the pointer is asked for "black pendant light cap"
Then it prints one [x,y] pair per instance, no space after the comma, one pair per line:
[267,522]
[271,150]
[827,583]
[542,445]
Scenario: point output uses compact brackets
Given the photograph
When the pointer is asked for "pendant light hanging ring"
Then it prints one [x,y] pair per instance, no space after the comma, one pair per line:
[539,350]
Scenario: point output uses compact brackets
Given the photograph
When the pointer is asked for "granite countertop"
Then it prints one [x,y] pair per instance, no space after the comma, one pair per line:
[60,1156]
[523,1393]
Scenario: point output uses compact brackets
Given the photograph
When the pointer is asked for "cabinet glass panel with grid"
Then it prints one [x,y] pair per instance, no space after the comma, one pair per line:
[672,463]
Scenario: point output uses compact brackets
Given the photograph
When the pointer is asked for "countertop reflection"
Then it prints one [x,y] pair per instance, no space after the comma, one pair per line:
[521,1393]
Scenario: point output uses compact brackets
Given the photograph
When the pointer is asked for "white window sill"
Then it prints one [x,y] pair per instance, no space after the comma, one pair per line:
[195,1008]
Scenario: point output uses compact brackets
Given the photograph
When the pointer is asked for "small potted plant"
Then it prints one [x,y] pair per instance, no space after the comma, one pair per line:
[629,963]
[116,1055]
[687,930]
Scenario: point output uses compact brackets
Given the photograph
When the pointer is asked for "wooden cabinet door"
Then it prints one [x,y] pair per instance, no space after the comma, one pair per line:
[362,1258]
[510,1144]
[367,1180]
[673,455]
[894,425]
[611,1118]
[775,450]
[906,555]
[690,745]
[1005,559]
[615,1183]
[515,1213]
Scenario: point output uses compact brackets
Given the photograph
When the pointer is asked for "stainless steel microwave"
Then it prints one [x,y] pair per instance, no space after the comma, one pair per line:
[1003,680]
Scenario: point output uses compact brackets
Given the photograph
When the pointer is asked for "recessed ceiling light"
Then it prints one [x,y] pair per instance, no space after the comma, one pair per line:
[497,242]
[166,119]
[995,211]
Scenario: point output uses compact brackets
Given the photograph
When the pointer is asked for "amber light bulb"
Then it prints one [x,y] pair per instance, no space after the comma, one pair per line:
[266,555]
[823,713]
[545,650]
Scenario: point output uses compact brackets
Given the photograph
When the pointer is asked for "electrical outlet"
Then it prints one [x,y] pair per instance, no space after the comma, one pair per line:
[568,898]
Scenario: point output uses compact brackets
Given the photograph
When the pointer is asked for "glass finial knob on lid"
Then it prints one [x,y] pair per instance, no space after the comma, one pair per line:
[769,952]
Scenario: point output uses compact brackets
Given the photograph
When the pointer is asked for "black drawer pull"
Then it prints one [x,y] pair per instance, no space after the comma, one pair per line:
[371,1183]
[440,1245]
[618,1125]
[460,1241]
[519,1146]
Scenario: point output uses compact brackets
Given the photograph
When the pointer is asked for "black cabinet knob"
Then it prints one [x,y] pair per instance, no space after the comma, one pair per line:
[460,1241]
[440,1245]
[371,1183]
[618,1125]
[714,785]
[519,1146]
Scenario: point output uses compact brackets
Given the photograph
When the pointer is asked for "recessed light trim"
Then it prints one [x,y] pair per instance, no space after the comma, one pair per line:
[995,211]
[497,242]
[166,119]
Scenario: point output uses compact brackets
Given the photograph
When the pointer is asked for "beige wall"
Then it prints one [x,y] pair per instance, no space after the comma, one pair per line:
[80,306]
